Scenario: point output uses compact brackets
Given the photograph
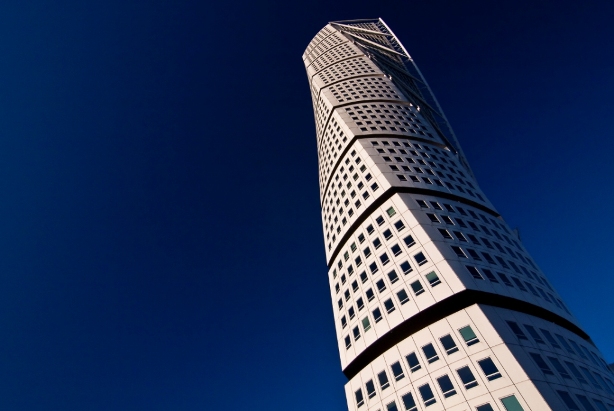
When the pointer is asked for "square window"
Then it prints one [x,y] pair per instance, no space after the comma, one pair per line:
[381,285]
[377,243]
[391,212]
[392,275]
[399,225]
[387,234]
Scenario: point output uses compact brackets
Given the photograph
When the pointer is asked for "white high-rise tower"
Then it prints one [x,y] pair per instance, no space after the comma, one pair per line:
[437,303]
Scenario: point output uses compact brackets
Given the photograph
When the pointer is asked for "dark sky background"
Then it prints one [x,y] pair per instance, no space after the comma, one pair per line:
[161,244]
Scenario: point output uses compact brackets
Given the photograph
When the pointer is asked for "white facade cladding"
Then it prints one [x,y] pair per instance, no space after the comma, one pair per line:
[437,304]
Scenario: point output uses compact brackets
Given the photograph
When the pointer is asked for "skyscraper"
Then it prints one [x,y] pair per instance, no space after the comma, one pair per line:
[437,304]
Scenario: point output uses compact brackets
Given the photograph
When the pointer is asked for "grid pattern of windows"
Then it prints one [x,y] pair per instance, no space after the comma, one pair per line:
[391,258]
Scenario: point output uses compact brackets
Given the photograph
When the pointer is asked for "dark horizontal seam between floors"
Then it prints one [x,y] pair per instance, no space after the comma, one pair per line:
[402,190]
[447,307]
[363,137]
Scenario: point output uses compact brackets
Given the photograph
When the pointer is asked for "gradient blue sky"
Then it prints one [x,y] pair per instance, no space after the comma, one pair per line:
[161,243]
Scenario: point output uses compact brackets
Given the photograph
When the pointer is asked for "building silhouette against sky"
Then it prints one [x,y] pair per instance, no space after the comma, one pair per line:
[437,304]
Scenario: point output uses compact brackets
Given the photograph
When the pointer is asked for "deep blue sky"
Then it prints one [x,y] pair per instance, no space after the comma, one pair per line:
[161,243]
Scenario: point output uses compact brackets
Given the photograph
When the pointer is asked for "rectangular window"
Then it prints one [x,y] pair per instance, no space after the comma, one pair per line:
[433,218]
[397,371]
[448,344]
[406,267]
[393,277]
[564,343]
[433,279]
[383,380]
[403,297]
[359,398]
[534,334]
[505,280]
[446,386]
[489,369]
[541,363]
[430,353]
[360,303]
[396,250]
[474,271]
[409,241]
[370,389]
[370,294]
[366,325]
[468,335]
[559,367]
[408,402]
[413,362]
[490,275]
[511,403]
[585,403]
[590,377]
[348,342]
[485,407]
[373,268]
[445,234]
[427,395]
[458,251]
[389,305]
[575,372]
[516,330]
[550,338]
[356,332]
[420,259]
[381,285]
[377,315]
[569,402]
[467,377]
[417,287]
[392,406]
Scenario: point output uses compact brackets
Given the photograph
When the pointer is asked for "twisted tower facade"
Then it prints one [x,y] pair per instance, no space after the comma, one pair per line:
[437,304]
